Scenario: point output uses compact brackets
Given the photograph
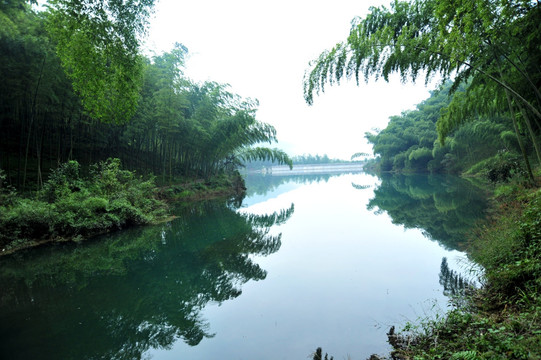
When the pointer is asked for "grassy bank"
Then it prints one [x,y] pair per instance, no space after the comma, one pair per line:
[72,207]
[502,320]
[224,185]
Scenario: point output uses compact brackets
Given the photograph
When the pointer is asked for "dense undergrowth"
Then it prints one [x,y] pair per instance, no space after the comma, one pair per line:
[225,184]
[73,207]
[501,320]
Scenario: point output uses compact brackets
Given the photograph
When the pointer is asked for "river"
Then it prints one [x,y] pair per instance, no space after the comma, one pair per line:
[328,260]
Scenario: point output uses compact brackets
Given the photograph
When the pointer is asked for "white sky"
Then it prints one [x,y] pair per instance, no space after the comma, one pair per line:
[262,49]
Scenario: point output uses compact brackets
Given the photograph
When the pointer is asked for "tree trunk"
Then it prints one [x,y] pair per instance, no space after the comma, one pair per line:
[520,143]
[39,153]
[532,134]
[32,115]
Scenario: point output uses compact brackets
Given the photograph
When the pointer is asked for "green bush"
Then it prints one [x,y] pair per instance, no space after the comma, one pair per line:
[127,213]
[28,219]
[504,191]
[109,178]
[69,206]
[399,161]
[62,182]
[7,192]
[95,204]
[499,168]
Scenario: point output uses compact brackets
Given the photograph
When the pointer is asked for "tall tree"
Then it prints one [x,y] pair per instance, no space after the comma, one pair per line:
[178,128]
[491,44]
[98,43]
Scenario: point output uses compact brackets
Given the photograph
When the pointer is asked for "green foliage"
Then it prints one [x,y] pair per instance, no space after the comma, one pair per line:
[464,355]
[98,44]
[318,355]
[418,158]
[491,47]
[109,178]
[27,219]
[431,36]
[265,154]
[519,265]
[503,191]
[202,129]
[69,206]
[62,182]
[410,143]
[359,155]
[465,335]
[112,102]
[407,143]
[499,168]
[7,192]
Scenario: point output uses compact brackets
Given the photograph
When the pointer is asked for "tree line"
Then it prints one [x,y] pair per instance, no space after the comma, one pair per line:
[75,86]
[488,49]
[410,141]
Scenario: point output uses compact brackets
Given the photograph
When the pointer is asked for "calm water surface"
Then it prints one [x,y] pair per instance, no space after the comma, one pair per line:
[303,262]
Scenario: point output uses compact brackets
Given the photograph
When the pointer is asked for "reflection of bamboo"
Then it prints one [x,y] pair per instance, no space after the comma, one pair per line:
[360,187]
[453,283]
[316,169]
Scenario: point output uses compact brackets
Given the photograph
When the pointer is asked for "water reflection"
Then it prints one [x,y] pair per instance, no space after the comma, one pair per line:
[340,270]
[264,184]
[145,288]
[453,282]
[446,208]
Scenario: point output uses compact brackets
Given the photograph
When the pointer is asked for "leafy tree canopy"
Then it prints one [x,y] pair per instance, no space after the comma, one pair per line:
[98,44]
[494,44]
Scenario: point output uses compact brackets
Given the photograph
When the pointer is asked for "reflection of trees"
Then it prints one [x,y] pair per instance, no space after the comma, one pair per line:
[445,208]
[118,297]
[263,184]
[360,187]
[453,282]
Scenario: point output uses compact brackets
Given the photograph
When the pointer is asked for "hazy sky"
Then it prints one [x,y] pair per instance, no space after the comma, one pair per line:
[262,49]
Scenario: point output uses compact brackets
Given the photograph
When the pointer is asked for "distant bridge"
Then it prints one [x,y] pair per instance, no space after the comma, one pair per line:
[283,170]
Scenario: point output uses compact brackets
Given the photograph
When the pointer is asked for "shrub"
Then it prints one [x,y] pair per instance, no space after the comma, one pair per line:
[499,168]
[510,247]
[109,178]
[127,213]
[62,181]
[95,204]
[7,192]
[28,219]
[68,206]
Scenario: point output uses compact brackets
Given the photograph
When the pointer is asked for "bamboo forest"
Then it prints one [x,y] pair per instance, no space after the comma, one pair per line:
[173,127]
[149,214]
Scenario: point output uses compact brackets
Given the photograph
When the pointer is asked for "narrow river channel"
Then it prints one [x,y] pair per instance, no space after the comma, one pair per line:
[302,262]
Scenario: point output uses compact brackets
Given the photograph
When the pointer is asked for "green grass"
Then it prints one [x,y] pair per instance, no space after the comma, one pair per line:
[224,185]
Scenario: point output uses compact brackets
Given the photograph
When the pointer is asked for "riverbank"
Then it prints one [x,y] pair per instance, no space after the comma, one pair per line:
[502,319]
[222,186]
[72,208]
